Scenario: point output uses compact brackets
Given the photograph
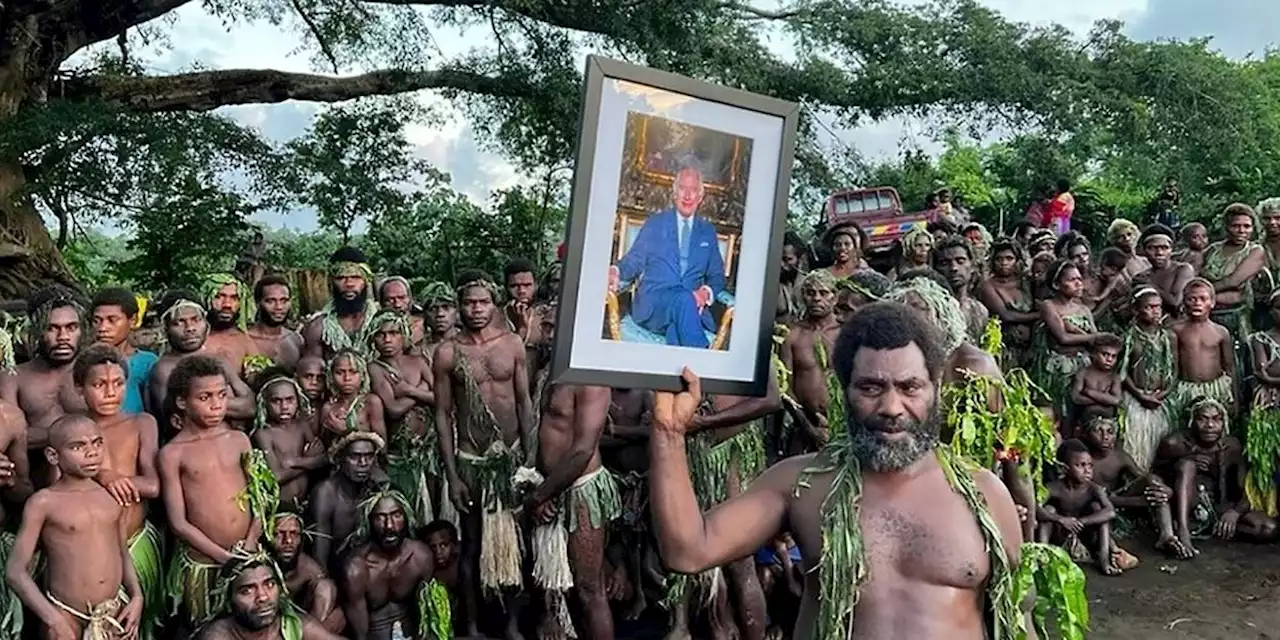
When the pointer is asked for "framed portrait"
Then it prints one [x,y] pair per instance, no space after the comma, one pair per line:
[676,181]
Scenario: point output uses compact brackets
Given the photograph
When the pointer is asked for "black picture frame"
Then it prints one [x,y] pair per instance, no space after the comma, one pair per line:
[598,71]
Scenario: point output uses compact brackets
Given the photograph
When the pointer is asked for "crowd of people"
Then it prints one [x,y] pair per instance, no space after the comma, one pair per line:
[398,465]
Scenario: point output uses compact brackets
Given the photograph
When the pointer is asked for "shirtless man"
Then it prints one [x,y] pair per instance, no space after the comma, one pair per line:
[394,295]
[335,501]
[1206,358]
[576,488]
[402,380]
[42,387]
[385,573]
[480,374]
[229,317]
[309,585]
[201,480]
[77,526]
[953,259]
[519,312]
[185,329]
[129,468]
[292,449]
[254,607]
[891,364]
[1167,276]
[351,405]
[440,304]
[1230,266]
[807,353]
[1206,469]
[113,313]
[344,321]
[789,307]
[274,300]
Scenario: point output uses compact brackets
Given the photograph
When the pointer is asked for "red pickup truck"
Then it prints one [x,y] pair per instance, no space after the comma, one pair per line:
[878,212]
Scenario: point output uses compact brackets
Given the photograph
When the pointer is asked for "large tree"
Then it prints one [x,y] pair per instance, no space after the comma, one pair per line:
[140,136]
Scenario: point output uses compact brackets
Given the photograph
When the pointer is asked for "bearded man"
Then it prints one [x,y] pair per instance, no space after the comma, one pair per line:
[186,327]
[230,312]
[953,258]
[274,298]
[394,294]
[42,387]
[887,462]
[344,322]
[389,573]
[251,588]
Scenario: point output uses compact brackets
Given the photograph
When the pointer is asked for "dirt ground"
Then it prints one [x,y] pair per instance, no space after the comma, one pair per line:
[1227,592]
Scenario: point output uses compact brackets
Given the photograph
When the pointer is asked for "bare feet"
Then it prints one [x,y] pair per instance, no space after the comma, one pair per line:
[1174,547]
[678,633]
[637,607]
[1185,539]
[1108,567]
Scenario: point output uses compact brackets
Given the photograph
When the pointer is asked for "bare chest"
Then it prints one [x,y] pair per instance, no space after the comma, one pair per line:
[90,512]
[489,364]
[394,580]
[210,461]
[1198,337]
[40,396]
[122,448]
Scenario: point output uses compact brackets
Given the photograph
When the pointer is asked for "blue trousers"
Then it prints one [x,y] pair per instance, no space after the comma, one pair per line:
[681,324]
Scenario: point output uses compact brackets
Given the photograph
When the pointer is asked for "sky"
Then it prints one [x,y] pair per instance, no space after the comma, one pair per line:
[1238,27]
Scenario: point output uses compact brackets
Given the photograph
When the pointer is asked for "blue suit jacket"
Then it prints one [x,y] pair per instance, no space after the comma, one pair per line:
[654,257]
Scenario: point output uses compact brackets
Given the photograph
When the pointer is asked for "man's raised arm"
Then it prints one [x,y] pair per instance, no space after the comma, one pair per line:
[689,540]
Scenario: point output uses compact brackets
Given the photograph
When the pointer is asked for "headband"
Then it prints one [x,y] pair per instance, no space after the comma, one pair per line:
[365,510]
[437,293]
[943,307]
[400,320]
[362,367]
[490,285]
[849,284]
[1143,292]
[336,448]
[182,303]
[820,278]
[1058,272]
[1269,207]
[240,561]
[343,269]
[1152,236]
[213,283]
[1120,224]
[912,236]
[1205,402]
[389,279]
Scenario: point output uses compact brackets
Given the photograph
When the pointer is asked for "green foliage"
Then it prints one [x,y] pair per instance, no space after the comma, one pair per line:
[95,258]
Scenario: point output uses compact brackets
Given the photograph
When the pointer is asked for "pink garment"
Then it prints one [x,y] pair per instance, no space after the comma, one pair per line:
[1058,216]
[1035,213]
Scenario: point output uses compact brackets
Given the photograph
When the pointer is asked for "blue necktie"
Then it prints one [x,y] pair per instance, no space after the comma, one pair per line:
[684,244]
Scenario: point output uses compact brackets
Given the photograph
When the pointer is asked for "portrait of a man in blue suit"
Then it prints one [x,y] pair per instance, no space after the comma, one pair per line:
[676,260]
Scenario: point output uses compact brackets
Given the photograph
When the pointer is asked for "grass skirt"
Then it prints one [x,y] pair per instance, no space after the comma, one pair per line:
[489,478]
[409,463]
[190,587]
[598,492]
[1261,446]
[1144,429]
[148,562]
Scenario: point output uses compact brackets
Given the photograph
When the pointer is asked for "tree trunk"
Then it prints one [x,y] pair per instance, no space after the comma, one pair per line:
[29,259]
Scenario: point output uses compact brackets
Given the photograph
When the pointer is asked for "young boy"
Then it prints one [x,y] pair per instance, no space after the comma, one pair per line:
[1206,354]
[92,590]
[291,450]
[1095,390]
[1111,303]
[1196,238]
[1077,504]
[129,467]
[1130,487]
[202,480]
[310,376]
[1206,468]
[1151,371]
[351,406]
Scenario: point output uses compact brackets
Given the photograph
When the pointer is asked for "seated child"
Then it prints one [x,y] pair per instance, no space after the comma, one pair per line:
[1076,505]
[1130,488]
[1096,389]
[1206,469]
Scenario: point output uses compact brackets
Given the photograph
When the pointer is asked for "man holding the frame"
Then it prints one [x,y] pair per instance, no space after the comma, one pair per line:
[676,257]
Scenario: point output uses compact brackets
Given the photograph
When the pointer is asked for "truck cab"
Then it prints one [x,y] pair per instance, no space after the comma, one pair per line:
[878,212]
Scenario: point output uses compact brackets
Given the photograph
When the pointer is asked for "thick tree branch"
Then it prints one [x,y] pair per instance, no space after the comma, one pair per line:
[208,90]
[89,21]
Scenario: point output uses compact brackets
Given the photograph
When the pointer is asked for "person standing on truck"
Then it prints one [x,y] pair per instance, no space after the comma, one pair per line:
[1058,213]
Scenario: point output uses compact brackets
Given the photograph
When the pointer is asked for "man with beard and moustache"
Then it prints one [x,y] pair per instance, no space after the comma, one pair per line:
[292,450]
[274,299]
[42,387]
[113,313]
[440,302]
[309,586]
[923,520]
[336,499]
[186,328]
[230,312]
[790,307]
[386,573]
[519,312]
[577,494]
[394,294]
[953,259]
[252,589]
[806,352]
[1166,275]
[344,322]
[482,394]
[402,379]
